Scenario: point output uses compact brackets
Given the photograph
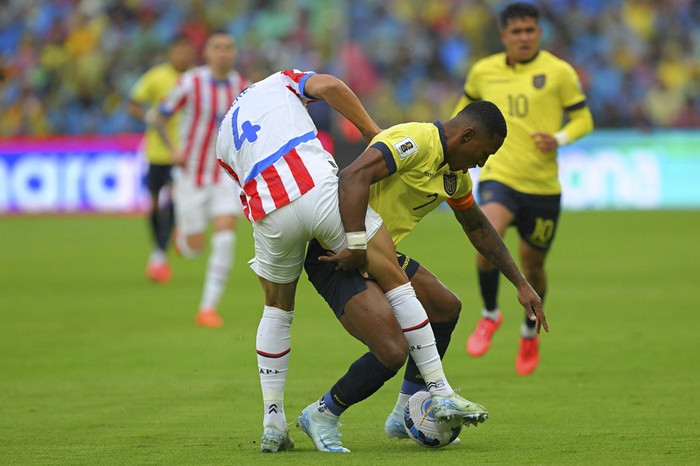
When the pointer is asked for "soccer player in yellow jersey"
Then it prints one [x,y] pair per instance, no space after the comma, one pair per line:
[145,96]
[406,172]
[519,185]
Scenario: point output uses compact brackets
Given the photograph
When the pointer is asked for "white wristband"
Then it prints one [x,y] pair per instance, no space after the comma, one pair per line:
[562,138]
[150,117]
[357,239]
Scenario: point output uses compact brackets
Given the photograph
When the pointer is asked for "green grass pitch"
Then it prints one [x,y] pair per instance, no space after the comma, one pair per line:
[99,366]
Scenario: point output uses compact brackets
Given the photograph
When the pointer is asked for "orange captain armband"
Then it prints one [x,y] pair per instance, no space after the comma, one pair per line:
[462,203]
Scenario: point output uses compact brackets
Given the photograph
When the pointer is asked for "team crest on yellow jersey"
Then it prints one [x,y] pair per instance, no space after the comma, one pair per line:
[538,81]
[449,181]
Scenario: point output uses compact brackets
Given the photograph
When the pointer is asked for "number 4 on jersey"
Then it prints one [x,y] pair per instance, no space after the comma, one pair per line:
[249,131]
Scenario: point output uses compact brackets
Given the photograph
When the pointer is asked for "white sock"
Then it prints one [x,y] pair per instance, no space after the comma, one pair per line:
[158,256]
[527,332]
[401,403]
[492,315]
[421,340]
[273,344]
[183,247]
[218,267]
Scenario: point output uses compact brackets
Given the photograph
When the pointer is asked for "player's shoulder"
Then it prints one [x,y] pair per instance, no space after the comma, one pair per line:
[552,61]
[416,130]
[497,60]
[153,73]
[197,72]
[409,138]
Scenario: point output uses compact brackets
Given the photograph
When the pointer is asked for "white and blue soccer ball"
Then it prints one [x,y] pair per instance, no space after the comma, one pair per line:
[422,426]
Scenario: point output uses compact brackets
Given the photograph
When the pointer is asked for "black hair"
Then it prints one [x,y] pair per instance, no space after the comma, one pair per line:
[219,32]
[179,38]
[518,10]
[487,115]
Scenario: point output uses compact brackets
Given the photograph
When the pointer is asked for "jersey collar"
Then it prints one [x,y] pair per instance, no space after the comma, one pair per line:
[526,62]
[443,141]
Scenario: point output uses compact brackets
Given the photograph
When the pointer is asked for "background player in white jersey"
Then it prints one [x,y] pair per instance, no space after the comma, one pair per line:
[201,191]
[268,144]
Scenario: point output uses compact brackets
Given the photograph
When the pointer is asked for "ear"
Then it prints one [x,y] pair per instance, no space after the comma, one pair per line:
[467,134]
[502,36]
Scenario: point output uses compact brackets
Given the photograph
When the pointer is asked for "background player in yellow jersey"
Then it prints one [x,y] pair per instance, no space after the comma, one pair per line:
[146,94]
[519,185]
[409,170]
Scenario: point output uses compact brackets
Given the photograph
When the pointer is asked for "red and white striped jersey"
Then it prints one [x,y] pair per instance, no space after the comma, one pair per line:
[203,101]
[267,143]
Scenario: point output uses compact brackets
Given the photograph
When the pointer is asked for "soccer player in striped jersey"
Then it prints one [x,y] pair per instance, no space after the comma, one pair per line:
[202,192]
[519,186]
[268,144]
[406,172]
[146,94]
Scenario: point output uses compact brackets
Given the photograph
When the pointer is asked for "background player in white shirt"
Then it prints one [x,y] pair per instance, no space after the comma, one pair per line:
[267,143]
[202,192]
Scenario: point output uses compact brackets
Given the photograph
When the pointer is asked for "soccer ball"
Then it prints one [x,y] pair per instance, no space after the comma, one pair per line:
[423,427]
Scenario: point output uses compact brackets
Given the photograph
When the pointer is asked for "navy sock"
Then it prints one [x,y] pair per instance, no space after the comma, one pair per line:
[443,335]
[163,225]
[531,323]
[488,283]
[365,376]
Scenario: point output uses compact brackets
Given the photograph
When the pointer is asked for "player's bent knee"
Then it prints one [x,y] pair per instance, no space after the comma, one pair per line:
[393,354]
[443,307]
[451,307]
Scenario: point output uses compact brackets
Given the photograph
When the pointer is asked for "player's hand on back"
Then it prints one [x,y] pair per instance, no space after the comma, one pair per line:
[348,259]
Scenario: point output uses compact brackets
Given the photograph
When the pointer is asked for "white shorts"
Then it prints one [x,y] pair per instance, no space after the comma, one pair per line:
[196,206]
[282,235]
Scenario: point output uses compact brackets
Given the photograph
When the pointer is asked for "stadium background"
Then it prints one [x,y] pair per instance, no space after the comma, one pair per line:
[66,68]
[100,366]
[68,64]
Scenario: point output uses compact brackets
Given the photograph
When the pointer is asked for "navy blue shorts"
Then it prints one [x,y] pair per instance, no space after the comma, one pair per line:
[158,176]
[536,216]
[338,286]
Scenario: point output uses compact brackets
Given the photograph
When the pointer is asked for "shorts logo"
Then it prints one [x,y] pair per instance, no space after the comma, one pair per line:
[449,181]
[406,147]
[538,81]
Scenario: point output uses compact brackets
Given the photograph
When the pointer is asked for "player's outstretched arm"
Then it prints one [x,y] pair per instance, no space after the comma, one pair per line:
[343,100]
[489,243]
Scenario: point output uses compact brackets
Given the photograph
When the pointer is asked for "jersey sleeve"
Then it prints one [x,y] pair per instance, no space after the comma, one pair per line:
[463,198]
[399,148]
[295,80]
[470,90]
[571,93]
[471,85]
[461,203]
[177,96]
[140,92]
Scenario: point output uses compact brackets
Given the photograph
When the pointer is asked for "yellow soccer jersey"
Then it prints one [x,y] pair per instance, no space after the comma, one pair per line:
[419,179]
[150,90]
[533,97]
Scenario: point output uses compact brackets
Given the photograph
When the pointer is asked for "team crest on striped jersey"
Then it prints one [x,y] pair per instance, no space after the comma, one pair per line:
[449,181]
[538,81]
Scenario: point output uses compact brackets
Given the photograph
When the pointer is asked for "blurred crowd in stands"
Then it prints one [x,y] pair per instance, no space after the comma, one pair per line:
[66,66]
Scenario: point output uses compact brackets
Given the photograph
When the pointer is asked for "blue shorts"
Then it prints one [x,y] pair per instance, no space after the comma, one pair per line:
[338,286]
[536,216]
